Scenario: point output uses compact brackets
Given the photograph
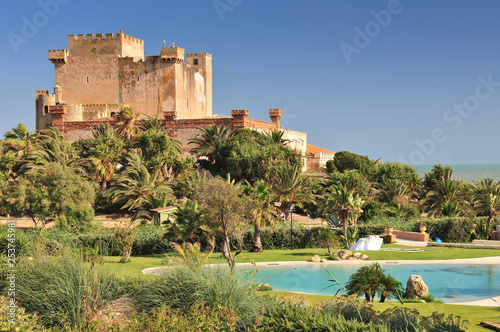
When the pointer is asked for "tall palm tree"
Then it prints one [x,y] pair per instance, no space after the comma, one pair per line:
[126,126]
[263,209]
[20,140]
[161,152]
[51,147]
[486,198]
[339,201]
[288,185]
[104,154]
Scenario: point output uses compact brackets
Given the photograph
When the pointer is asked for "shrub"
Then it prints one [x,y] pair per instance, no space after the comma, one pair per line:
[186,284]
[25,322]
[77,218]
[150,239]
[197,318]
[297,316]
[62,290]
[21,241]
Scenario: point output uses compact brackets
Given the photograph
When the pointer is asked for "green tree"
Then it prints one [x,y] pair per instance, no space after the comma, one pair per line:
[345,160]
[486,199]
[42,194]
[104,153]
[210,142]
[340,202]
[288,186]
[126,124]
[262,208]
[226,212]
[136,189]
[189,223]
[162,153]
[20,140]
[370,280]
[447,198]
[51,147]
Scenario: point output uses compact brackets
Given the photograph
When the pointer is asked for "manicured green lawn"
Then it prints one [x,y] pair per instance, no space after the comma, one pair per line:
[138,263]
[432,253]
[474,314]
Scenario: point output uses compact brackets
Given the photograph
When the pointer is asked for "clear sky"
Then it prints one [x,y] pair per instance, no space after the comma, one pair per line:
[411,81]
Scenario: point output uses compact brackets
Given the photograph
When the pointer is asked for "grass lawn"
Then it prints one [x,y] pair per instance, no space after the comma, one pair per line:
[138,263]
[474,314]
[432,254]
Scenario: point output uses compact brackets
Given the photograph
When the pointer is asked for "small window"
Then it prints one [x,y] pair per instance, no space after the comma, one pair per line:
[195,62]
[87,79]
[46,109]
[113,114]
[137,78]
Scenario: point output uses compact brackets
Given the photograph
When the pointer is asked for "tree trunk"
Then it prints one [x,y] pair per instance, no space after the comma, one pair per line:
[257,244]
[382,298]
[367,296]
[329,249]
[345,233]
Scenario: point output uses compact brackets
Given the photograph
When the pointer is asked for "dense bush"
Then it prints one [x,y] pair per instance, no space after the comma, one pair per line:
[452,230]
[150,239]
[197,318]
[21,241]
[187,284]
[62,290]
[300,316]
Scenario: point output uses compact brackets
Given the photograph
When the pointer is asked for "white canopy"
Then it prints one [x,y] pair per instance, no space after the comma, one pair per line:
[368,243]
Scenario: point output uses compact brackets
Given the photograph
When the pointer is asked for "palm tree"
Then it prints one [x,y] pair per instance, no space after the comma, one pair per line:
[19,140]
[125,124]
[447,198]
[51,147]
[189,221]
[135,188]
[370,280]
[339,201]
[288,185]
[104,154]
[162,153]
[486,199]
[263,209]
[210,142]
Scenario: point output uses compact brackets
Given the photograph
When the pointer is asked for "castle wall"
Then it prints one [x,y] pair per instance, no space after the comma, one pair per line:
[92,79]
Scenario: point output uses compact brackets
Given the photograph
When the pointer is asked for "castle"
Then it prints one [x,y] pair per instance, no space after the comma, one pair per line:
[98,75]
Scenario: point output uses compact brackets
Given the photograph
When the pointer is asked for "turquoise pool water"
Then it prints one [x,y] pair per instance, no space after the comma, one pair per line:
[448,282]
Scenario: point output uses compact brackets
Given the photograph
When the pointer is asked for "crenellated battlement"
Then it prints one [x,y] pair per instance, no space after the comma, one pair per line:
[198,54]
[58,55]
[121,44]
[105,37]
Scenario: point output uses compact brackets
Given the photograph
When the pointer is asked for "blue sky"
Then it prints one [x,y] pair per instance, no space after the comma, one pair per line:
[412,81]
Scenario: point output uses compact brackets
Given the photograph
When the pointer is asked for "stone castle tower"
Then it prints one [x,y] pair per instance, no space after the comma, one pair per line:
[98,75]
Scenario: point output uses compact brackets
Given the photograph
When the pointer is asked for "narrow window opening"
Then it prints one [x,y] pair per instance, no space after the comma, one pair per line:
[113,114]
[46,109]
[195,62]
[137,78]
[87,79]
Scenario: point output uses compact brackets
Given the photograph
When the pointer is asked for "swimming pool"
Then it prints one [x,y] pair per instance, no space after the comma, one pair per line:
[451,283]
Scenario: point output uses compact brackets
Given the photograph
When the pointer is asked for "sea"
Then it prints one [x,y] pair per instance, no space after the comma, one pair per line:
[467,172]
